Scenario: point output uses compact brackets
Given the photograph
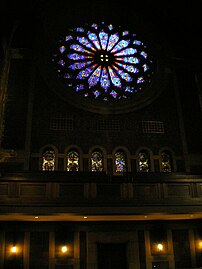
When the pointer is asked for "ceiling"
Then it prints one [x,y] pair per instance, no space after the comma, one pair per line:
[179,24]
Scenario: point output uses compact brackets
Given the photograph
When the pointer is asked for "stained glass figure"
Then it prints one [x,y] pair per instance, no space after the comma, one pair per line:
[96,162]
[103,62]
[120,162]
[166,162]
[143,161]
[48,160]
[72,161]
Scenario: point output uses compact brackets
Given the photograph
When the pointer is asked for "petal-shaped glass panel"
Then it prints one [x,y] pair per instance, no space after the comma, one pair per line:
[122,44]
[104,80]
[128,51]
[93,37]
[103,39]
[84,41]
[113,39]
[114,78]
[94,78]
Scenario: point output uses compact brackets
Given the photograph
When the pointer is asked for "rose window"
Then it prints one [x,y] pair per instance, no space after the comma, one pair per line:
[103,62]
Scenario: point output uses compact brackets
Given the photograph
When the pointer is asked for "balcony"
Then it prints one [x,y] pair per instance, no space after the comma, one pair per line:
[93,196]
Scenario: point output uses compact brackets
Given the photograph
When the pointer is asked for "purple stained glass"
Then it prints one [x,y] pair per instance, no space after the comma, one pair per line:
[103,62]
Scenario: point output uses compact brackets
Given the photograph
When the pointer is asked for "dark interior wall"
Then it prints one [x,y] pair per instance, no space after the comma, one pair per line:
[85,132]
[17,104]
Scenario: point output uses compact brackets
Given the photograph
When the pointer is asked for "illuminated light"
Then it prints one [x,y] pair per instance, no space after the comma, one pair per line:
[36,217]
[14,249]
[160,247]
[200,244]
[85,217]
[64,249]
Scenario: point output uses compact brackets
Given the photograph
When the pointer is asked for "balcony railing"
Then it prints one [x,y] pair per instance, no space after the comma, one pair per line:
[96,190]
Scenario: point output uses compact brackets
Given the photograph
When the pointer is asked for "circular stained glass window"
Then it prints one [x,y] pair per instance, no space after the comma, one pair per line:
[103,62]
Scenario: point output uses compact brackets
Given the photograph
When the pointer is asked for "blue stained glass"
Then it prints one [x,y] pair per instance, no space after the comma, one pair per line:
[93,37]
[129,89]
[79,87]
[104,80]
[78,65]
[122,44]
[140,80]
[77,47]
[94,25]
[94,78]
[137,42]
[146,67]
[128,51]
[79,29]
[125,33]
[123,75]
[144,54]
[106,59]
[129,68]
[111,27]
[120,162]
[76,56]
[62,49]
[61,62]
[131,60]
[96,93]
[67,76]
[113,93]
[114,78]
[69,37]
[84,41]
[113,39]
[86,72]
[103,39]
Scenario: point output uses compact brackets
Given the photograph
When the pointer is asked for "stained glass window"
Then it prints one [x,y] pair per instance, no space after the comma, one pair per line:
[96,161]
[143,161]
[166,162]
[120,161]
[103,62]
[48,160]
[72,161]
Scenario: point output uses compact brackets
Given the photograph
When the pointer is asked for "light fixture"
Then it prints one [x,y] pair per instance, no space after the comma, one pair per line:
[13,249]
[64,249]
[199,244]
[160,247]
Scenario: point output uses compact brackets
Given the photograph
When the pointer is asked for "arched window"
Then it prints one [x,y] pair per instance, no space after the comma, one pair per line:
[72,160]
[120,162]
[166,161]
[48,160]
[96,161]
[143,161]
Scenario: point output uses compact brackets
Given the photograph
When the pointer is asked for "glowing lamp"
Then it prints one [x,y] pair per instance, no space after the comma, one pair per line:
[160,247]
[13,249]
[64,249]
